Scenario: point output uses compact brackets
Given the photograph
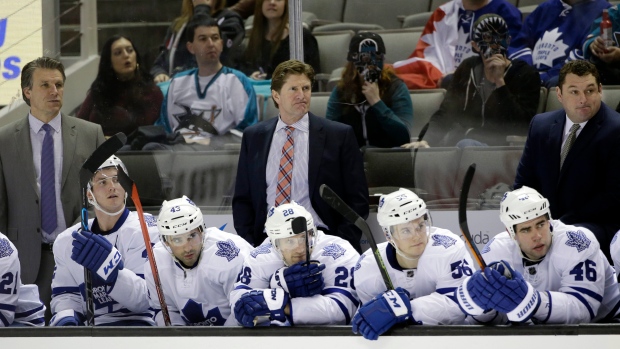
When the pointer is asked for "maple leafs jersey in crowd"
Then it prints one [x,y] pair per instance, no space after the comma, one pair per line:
[442,267]
[126,299]
[199,296]
[577,277]
[200,107]
[554,33]
[614,250]
[19,304]
[336,304]
[446,41]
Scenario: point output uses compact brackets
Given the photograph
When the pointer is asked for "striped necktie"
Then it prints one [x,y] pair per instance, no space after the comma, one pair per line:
[285,172]
[569,143]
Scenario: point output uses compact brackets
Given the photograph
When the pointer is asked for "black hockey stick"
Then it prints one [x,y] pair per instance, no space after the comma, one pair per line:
[299,225]
[90,166]
[335,202]
[469,176]
[130,186]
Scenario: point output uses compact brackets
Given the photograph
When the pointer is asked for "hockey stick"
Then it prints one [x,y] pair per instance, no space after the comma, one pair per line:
[335,202]
[130,186]
[299,226]
[469,176]
[90,166]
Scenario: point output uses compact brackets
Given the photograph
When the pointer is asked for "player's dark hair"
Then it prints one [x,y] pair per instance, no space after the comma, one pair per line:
[580,68]
[286,68]
[43,63]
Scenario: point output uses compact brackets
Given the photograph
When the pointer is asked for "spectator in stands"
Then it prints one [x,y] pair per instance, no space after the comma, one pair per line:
[370,97]
[606,59]
[123,96]
[490,96]
[583,189]
[210,100]
[245,8]
[323,152]
[554,34]
[269,46]
[446,40]
[174,55]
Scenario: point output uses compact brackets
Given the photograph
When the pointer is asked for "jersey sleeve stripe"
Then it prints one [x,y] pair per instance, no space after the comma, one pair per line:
[4,320]
[243,287]
[344,310]
[330,290]
[7,307]
[588,292]
[550,308]
[583,300]
[29,312]
[62,290]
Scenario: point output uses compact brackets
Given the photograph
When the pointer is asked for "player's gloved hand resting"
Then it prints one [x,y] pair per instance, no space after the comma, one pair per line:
[96,254]
[255,303]
[514,296]
[474,294]
[300,280]
[381,313]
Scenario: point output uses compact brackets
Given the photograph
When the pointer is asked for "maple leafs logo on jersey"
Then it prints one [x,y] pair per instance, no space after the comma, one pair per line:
[548,49]
[5,248]
[193,313]
[578,240]
[227,249]
[333,250]
[150,220]
[358,265]
[442,240]
[262,249]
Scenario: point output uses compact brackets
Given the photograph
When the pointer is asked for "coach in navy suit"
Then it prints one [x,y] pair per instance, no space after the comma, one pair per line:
[585,190]
[325,152]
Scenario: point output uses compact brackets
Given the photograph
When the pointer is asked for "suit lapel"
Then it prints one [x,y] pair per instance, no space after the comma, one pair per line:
[316,145]
[556,131]
[24,153]
[265,137]
[585,136]
[69,141]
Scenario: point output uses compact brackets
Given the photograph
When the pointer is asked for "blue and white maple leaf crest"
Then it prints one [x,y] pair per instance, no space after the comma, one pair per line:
[150,220]
[442,240]
[578,240]
[358,265]
[227,249]
[5,248]
[333,250]
[193,313]
[262,249]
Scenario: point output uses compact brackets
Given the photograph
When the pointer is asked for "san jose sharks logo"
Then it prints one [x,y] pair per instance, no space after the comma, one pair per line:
[202,122]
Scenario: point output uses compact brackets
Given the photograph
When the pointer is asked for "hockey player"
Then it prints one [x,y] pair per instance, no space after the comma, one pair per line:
[277,282]
[113,250]
[19,304]
[615,252]
[197,267]
[426,265]
[541,269]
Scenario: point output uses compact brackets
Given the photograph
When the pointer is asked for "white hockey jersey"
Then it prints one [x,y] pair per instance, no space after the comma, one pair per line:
[19,304]
[614,250]
[336,304]
[578,279]
[442,267]
[127,299]
[199,296]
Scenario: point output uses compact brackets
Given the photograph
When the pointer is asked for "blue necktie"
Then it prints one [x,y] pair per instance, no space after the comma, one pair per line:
[48,182]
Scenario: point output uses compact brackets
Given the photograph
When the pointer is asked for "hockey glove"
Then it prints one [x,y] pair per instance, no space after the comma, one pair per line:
[474,293]
[381,313]
[514,296]
[67,317]
[260,303]
[96,254]
[300,280]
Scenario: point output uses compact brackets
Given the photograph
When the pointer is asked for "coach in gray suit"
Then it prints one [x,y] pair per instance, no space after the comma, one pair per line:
[44,133]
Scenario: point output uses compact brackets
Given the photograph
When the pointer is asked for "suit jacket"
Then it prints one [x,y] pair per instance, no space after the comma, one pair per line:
[587,188]
[334,159]
[20,215]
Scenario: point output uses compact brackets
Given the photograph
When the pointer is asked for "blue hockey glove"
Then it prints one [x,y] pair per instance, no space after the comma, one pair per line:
[300,280]
[96,254]
[514,296]
[67,317]
[381,313]
[255,303]
[474,294]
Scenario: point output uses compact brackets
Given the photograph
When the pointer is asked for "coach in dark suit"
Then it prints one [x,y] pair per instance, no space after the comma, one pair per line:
[21,150]
[325,152]
[585,189]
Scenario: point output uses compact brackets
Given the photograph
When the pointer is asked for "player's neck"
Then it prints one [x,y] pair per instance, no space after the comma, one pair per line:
[105,221]
[209,69]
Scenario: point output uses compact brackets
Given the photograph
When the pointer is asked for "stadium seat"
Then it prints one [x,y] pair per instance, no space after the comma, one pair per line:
[425,104]
[333,49]
[331,10]
[435,171]
[383,13]
[399,43]
[388,169]
[355,27]
[416,20]
[542,101]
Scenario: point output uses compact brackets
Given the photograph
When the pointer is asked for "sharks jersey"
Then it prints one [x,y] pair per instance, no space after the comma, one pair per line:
[19,304]
[580,283]
[337,302]
[200,107]
[554,33]
[199,296]
[126,299]
[442,267]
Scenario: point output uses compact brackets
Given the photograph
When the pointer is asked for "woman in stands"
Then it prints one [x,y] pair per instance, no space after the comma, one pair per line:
[174,56]
[123,96]
[269,46]
[370,97]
